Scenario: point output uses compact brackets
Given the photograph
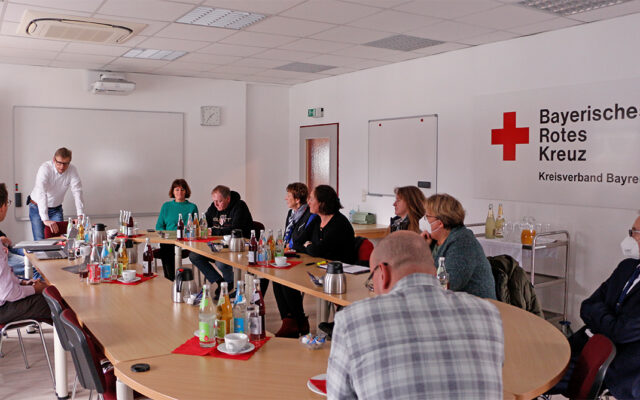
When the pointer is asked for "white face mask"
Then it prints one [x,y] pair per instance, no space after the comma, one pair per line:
[426,225]
[630,248]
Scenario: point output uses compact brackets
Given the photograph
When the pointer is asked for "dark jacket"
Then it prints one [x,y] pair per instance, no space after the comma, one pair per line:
[238,217]
[512,284]
[335,242]
[398,224]
[468,267]
[299,227]
[621,326]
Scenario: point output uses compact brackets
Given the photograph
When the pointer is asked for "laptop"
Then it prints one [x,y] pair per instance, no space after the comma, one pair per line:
[59,253]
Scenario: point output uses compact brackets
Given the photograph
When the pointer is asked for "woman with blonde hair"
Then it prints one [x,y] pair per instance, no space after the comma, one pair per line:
[468,267]
[409,208]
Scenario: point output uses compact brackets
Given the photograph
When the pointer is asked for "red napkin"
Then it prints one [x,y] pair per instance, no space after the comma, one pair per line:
[321,384]
[211,239]
[142,279]
[293,264]
[192,348]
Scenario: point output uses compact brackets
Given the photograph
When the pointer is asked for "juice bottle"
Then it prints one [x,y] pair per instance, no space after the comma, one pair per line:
[240,310]
[224,313]
[490,224]
[500,223]
[272,246]
[206,316]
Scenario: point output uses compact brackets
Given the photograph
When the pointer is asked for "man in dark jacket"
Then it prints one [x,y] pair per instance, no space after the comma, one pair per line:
[613,310]
[227,212]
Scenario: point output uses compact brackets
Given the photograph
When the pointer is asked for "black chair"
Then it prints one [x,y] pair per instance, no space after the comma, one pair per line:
[89,369]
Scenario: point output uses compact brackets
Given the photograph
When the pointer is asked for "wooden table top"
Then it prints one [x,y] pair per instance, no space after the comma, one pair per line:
[371,231]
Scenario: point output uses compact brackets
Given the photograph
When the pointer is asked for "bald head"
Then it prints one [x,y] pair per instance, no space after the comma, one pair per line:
[400,254]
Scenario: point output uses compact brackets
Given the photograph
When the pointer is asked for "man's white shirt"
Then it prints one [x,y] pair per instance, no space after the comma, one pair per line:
[51,186]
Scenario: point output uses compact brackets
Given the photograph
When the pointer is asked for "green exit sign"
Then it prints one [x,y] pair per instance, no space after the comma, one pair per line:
[311,112]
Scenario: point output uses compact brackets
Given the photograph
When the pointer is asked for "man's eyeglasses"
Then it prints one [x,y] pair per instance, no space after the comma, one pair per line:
[62,163]
[369,282]
[634,231]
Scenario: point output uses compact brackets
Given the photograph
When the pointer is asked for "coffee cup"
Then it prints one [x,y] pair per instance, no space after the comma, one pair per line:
[281,261]
[236,342]
[128,275]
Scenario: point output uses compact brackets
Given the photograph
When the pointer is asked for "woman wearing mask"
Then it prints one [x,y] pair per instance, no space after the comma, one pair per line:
[468,267]
[294,321]
[409,209]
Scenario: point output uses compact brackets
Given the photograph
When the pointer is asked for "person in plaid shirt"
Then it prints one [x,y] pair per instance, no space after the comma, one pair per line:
[414,340]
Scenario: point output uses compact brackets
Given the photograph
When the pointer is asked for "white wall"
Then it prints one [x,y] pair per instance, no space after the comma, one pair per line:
[267,156]
[446,84]
[213,155]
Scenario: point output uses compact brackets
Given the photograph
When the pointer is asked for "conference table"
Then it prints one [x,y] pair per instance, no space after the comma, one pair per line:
[141,323]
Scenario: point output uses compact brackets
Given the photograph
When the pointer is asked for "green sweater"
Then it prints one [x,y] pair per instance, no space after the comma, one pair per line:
[168,218]
[468,267]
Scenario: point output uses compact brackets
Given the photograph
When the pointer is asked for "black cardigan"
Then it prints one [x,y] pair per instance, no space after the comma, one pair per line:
[335,242]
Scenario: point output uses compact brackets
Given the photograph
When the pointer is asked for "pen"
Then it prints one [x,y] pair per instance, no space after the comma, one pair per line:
[311,263]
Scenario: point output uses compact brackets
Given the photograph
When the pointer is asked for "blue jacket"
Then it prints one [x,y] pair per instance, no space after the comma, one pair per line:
[622,327]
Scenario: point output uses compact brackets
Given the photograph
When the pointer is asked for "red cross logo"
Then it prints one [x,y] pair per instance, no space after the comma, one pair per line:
[509,136]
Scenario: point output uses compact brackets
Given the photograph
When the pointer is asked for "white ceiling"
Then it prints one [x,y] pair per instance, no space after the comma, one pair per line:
[326,32]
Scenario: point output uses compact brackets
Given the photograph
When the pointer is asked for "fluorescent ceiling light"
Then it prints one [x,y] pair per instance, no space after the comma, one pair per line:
[569,7]
[153,54]
[220,18]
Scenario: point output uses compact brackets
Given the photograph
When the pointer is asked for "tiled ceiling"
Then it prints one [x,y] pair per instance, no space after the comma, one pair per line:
[339,34]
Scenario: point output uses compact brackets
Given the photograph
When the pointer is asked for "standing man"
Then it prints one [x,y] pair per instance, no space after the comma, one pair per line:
[227,212]
[52,181]
[414,340]
[19,299]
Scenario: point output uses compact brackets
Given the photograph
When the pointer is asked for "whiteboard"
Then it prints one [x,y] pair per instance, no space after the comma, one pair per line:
[403,152]
[126,159]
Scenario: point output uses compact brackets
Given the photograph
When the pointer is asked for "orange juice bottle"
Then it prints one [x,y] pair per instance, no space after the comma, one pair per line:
[224,313]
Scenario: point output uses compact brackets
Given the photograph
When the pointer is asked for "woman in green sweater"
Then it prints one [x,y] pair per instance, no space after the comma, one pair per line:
[168,221]
[468,267]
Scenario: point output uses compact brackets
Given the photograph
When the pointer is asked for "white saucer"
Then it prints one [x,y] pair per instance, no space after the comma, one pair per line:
[313,387]
[280,266]
[131,281]
[223,348]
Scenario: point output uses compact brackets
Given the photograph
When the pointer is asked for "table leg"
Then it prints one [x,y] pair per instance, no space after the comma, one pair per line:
[178,258]
[123,392]
[60,364]
[28,268]
[323,308]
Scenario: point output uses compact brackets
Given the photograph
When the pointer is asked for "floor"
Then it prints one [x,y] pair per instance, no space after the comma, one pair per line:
[18,383]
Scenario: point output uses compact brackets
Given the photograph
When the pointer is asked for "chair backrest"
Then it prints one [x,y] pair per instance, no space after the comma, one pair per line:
[88,367]
[57,304]
[588,374]
[257,226]
[62,228]
[364,248]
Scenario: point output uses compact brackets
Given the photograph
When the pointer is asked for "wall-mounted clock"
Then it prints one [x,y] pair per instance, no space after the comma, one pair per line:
[209,115]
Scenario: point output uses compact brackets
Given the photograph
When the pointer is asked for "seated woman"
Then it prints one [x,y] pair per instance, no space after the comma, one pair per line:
[294,321]
[409,209]
[168,221]
[331,235]
[468,267]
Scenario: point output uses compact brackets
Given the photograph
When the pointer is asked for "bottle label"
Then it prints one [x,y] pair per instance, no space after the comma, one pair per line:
[252,257]
[105,272]
[255,326]
[238,325]
[205,332]
[179,234]
[221,328]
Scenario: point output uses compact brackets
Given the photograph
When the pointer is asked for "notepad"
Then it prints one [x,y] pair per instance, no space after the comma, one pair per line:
[350,268]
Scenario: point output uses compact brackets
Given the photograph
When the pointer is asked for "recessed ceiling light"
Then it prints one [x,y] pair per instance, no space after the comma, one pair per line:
[569,7]
[153,54]
[304,67]
[403,43]
[220,18]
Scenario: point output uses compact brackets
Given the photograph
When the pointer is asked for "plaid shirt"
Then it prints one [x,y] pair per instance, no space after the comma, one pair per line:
[417,342]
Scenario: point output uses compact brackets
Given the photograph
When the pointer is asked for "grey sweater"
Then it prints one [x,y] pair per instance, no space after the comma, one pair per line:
[468,267]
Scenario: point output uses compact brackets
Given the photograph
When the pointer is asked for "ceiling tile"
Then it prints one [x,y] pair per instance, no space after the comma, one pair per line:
[349,34]
[332,59]
[172,44]
[368,64]
[208,58]
[76,65]
[23,61]
[549,25]
[394,21]
[313,45]
[231,50]
[608,12]
[379,3]
[288,55]
[181,66]
[148,9]
[441,48]
[237,69]
[151,29]
[495,36]
[449,31]
[289,26]
[136,65]
[277,73]
[447,9]
[28,53]
[14,11]
[339,71]
[505,17]
[268,7]
[257,39]
[8,28]
[89,6]
[259,63]
[330,11]
[33,44]
[220,75]
[86,48]
[374,53]
[193,32]
[85,58]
